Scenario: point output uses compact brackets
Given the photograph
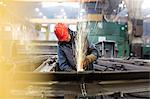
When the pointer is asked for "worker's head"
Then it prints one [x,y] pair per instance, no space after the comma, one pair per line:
[62,33]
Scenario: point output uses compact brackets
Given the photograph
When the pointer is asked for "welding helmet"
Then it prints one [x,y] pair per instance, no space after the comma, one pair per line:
[61,31]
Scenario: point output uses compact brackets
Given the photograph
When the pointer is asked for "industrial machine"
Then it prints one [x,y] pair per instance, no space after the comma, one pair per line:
[106,49]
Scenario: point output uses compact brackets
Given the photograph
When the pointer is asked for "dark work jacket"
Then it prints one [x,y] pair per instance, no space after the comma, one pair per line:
[66,54]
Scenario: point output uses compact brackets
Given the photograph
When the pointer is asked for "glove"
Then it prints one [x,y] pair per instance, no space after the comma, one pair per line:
[88,59]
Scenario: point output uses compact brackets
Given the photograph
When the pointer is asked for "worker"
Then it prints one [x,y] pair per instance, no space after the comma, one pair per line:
[66,49]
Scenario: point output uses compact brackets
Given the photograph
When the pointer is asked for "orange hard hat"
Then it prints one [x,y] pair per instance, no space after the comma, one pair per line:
[61,31]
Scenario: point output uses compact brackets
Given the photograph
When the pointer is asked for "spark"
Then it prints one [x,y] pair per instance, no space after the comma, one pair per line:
[81,42]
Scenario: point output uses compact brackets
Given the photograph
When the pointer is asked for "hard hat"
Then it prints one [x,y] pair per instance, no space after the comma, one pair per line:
[61,31]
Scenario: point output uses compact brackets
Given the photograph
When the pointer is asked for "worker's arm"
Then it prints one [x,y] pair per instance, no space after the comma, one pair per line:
[63,65]
[92,55]
[93,51]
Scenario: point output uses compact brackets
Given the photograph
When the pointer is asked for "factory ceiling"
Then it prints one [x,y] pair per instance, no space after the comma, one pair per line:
[37,9]
[68,9]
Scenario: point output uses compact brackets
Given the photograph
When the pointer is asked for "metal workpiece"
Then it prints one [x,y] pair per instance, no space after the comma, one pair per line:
[119,65]
[111,78]
[61,89]
[48,65]
[114,83]
[139,62]
[79,85]
[36,48]
[77,76]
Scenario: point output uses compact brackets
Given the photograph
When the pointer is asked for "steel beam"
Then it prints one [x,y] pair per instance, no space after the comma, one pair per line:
[88,76]
[60,89]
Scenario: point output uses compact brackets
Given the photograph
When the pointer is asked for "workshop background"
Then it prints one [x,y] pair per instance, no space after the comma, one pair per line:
[119,29]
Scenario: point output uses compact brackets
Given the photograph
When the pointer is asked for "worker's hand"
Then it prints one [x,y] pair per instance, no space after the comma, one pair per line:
[88,59]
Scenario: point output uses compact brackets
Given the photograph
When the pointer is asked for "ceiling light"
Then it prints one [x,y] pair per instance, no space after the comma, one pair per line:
[44,17]
[37,9]
[82,10]
[65,17]
[44,25]
[120,5]
[81,14]
[62,10]
[64,13]
[148,15]
[40,13]
[123,2]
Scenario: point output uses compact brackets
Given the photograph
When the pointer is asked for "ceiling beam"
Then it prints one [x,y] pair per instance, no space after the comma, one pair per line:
[89,17]
[67,21]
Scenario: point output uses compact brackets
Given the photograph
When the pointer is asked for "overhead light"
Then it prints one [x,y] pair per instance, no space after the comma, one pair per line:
[62,10]
[65,17]
[82,10]
[145,4]
[114,10]
[64,13]
[44,17]
[123,2]
[44,25]
[37,9]
[40,13]
[148,15]
[81,14]
[125,5]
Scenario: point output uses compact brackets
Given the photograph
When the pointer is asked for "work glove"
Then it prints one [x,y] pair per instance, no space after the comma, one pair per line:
[88,59]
